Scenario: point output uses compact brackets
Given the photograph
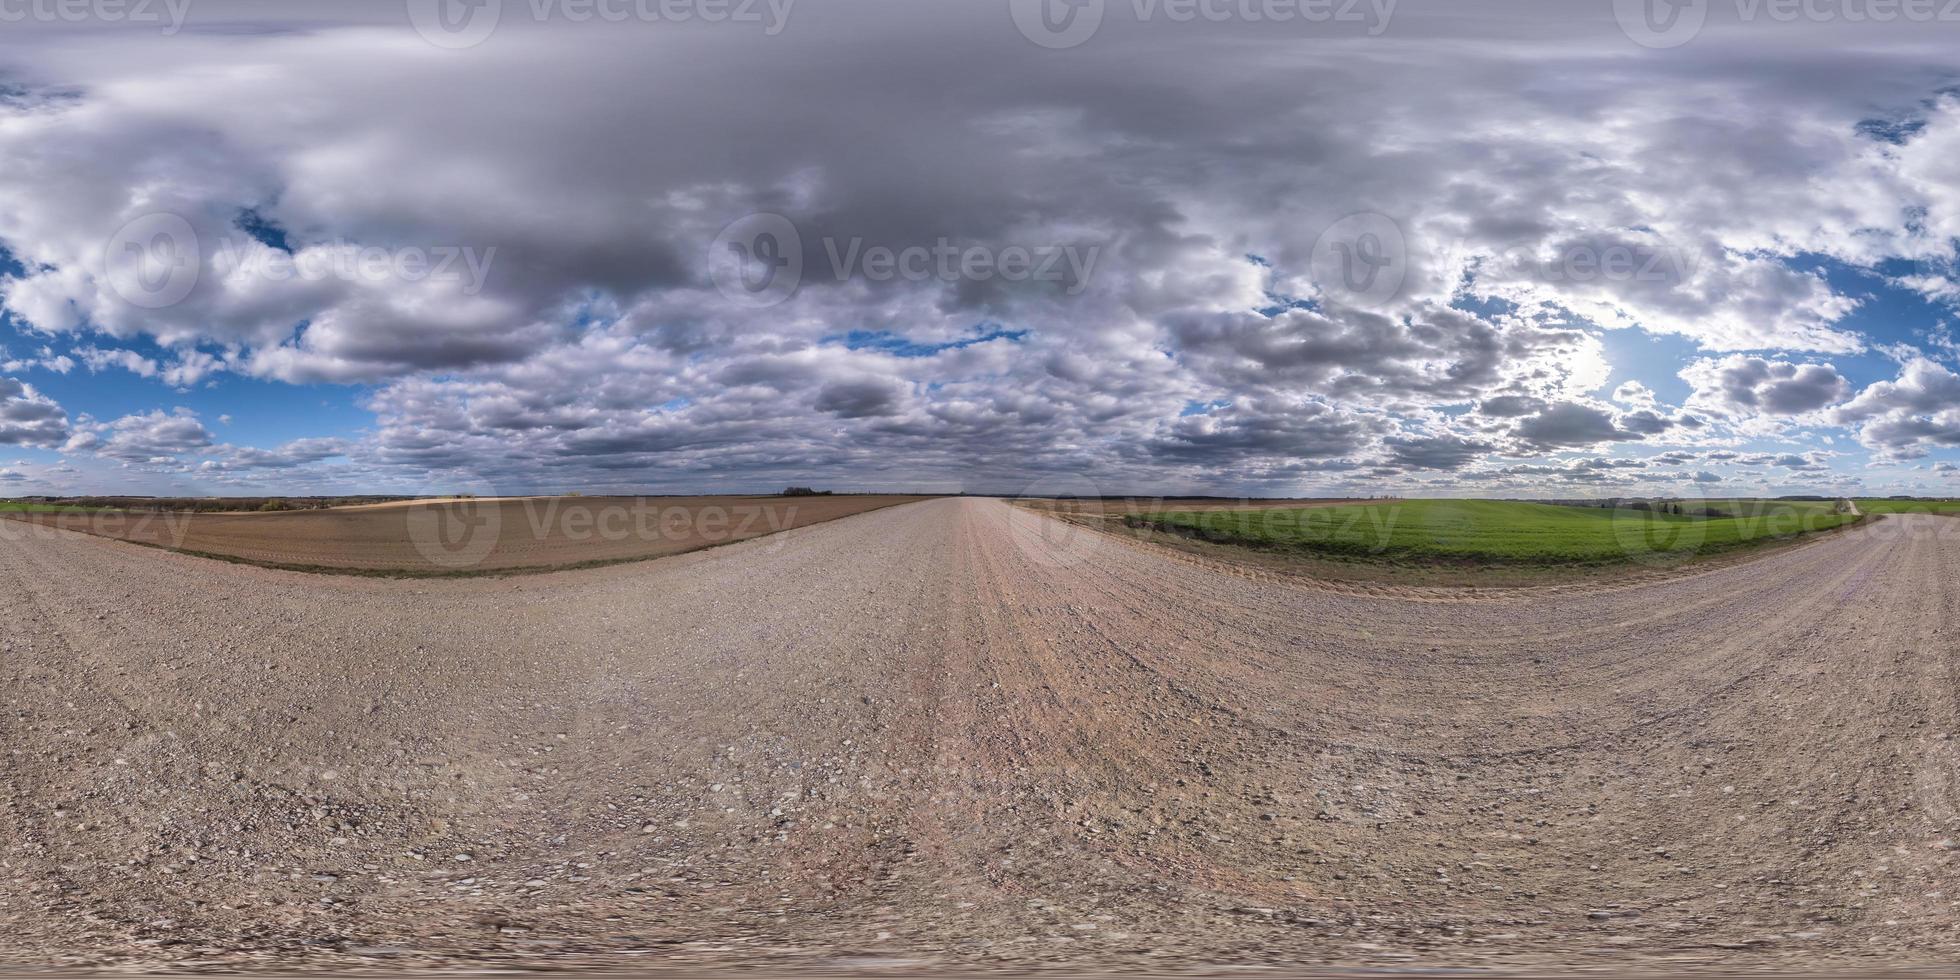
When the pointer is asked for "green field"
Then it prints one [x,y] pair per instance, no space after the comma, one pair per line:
[1949,507]
[16,507]
[1501,532]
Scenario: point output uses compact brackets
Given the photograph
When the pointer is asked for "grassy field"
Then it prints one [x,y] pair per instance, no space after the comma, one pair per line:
[202,505]
[1502,532]
[16,507]
[1949,507]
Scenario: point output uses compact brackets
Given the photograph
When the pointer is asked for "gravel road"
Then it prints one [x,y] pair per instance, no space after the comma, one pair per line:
[958,734]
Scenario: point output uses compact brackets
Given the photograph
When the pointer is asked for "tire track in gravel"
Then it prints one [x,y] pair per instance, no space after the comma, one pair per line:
[954,733]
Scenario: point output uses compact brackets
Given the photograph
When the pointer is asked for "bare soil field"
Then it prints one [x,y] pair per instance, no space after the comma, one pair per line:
[467,536]
[958,735]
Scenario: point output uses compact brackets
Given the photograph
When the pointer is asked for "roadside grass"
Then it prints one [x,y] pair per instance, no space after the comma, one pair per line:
[1503,533]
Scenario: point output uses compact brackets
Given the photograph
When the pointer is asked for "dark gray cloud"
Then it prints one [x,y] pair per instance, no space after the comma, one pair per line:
[859,399]
[1309,430]
[1511,406]
[1571,424]
[1437,452]
[1646,423]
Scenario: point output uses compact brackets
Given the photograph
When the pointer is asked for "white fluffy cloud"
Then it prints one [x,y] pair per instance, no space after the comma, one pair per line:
[1904,418]
[156,437]
[1742,387]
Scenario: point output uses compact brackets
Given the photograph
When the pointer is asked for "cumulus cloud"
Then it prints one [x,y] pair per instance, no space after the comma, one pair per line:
[1638,396]
[29,418]
[1308,430]
[46,360]
[1436,452]
[150,437]
[1511,406]
[298,453]
[1569,425]
[1742,386]
[1903,417]
[98,359]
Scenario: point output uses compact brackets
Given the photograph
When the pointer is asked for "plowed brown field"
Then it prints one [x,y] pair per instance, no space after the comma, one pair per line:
[957,735]
[465,536]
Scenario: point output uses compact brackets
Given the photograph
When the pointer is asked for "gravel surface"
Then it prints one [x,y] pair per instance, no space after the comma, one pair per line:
[955,734]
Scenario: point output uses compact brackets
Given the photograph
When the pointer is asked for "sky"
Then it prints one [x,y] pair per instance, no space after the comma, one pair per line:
[1572,248]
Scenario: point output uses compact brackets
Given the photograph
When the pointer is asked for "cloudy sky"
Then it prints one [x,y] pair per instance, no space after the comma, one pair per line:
[1572,248]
